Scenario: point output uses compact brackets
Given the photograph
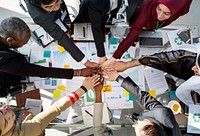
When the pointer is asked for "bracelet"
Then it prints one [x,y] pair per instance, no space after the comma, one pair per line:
[79,72]
[71,99]
[75,95]
[84,89]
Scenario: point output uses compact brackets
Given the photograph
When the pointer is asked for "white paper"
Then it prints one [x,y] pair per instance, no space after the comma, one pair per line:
[83,31]
[88,112]
[174,39]
[43,35]
[194,119]
[116,99]
[155,80]
[117,114]
[35,105]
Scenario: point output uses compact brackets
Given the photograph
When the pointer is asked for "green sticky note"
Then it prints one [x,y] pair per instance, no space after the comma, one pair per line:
[47,54]
[172,94]
[131,97]
[113,40]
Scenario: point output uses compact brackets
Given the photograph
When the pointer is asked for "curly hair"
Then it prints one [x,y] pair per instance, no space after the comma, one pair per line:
[14,27]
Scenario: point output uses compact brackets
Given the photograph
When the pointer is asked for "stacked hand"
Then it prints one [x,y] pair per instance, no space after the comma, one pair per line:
[91,82]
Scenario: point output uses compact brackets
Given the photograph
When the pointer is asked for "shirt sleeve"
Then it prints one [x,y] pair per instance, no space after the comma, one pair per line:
[96,15]
[47,22]
[41,121]
[24,68]
[144,98]
[133,34]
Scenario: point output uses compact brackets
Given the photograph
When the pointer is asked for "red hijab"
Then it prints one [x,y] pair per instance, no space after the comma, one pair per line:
[177,7]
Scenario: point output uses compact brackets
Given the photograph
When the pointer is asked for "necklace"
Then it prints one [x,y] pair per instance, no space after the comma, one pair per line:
[158,25]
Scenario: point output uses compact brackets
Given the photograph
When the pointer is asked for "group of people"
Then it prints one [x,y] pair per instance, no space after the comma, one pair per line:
[151,14]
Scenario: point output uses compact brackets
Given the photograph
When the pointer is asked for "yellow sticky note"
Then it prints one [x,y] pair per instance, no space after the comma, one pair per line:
[66,66]
[62,88]
[61,49]
[152,93]
[107,88]
[126,93]
[56,94]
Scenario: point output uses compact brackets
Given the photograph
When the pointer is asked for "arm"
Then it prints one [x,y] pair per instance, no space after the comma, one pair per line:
[22,67]
[142,97]
[96,14]
[135,30]
[121,66]
[41,121]
[47,22]
[177,63]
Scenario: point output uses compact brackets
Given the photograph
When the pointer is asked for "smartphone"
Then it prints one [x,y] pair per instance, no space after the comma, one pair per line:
[184,35]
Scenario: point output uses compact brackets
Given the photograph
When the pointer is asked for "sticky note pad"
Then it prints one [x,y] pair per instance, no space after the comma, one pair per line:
[113,40]
[62,88]
[56,94]
[47,54]
[152,93]
[172,94]
[126,93]
[131,97]
[107,88]
[61,49]
[66,66]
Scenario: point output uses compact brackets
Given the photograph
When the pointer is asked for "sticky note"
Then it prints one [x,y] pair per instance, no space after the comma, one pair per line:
[47,54]
[62,88]
[131,97]
[66,66]
[56,94]
[61,49]
[126,93]
[152,93]
[113,40]
[172,94]
[107,88]
[54,82]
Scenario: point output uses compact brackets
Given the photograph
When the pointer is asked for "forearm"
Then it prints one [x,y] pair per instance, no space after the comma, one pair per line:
[133,63]
[143,97]
[41,121]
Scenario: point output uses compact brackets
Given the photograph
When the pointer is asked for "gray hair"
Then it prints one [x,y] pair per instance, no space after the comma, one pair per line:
[14,27]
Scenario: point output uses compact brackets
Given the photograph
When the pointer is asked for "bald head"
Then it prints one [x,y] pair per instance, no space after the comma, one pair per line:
[14,27]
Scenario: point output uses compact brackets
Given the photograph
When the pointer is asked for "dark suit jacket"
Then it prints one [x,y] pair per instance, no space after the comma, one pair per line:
[47,21]
[156,111]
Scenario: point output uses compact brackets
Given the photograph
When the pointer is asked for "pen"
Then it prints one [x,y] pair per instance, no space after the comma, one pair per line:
[88,113]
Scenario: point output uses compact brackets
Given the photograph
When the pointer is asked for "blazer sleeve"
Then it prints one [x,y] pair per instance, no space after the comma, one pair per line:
[144,98]
[24,68]
[96,15]
[47,21]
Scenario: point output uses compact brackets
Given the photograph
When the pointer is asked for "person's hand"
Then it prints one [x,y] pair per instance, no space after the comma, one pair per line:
[111,73]
[90,71]
[90,64]
[106,63]
[91,82]
[102,60]
[119,66]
